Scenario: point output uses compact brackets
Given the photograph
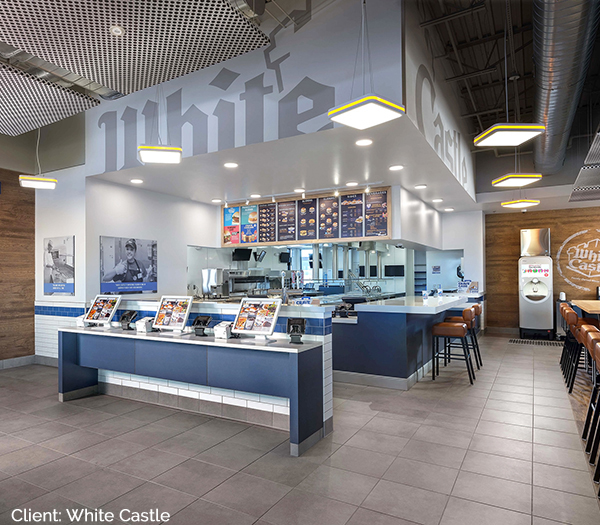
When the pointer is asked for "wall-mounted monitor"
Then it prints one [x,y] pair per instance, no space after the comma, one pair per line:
[285,257]
[173,312]
[258,257]
[394,270]
[257,316]
[103,309]
[241,254]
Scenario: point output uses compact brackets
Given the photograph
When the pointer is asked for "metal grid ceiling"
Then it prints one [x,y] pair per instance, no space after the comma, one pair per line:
[587,184]
[164,39]
[28,103]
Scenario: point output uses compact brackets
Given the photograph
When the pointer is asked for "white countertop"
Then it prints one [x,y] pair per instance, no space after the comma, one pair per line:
[246,343]
[411,305]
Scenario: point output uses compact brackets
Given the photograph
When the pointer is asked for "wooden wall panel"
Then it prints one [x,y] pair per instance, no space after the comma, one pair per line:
[569,230]
[17,267]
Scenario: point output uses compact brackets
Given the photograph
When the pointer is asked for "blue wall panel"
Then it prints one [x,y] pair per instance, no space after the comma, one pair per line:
[177,362]
[110,353]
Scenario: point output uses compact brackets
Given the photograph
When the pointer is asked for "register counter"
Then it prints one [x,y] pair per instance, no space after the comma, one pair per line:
[389,343]
[274,368]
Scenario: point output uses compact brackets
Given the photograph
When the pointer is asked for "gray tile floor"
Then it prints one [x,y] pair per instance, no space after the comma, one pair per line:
[505,451]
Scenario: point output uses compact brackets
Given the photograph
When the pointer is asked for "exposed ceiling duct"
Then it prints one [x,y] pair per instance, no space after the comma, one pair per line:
[564,32]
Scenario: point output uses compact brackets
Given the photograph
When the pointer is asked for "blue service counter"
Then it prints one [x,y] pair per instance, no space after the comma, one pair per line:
[388,344]
[275,369]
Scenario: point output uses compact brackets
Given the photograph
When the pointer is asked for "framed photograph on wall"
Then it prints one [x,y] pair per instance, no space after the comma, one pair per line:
[128,265]
[59,265]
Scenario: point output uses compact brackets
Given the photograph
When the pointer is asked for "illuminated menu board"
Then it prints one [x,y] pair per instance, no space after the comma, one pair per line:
[376,214]
[267,222]
[307,219]
[231,225]
[286,221]
[352,215]
[249,229]
[329,218]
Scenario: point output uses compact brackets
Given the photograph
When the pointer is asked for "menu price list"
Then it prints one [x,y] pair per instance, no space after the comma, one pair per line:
[231,225]
[352,215]
[267,221]
[307,219]
[329,215]
[376,214]
[286,221]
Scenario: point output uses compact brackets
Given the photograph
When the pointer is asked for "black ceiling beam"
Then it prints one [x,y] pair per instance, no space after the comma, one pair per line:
[484,112]
[454,16]
[498,83]
[472,74]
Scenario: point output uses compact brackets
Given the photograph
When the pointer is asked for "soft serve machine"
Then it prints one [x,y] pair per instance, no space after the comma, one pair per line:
[536,300]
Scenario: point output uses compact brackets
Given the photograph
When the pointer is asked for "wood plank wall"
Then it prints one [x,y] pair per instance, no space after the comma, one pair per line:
[569,229]
[17,267]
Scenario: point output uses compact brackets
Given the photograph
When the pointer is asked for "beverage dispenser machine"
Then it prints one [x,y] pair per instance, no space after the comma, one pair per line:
[536,300]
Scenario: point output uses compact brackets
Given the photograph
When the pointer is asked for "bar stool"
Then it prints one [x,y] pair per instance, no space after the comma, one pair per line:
[593,412]
[469,318]
[450,331]
[576,344]
[593,441]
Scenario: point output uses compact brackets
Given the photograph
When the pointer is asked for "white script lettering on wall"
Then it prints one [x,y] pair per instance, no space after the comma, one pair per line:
[578,259]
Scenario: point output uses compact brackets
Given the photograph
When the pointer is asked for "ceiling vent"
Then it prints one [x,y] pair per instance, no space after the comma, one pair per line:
[28,103]
[587,185]
[156,40]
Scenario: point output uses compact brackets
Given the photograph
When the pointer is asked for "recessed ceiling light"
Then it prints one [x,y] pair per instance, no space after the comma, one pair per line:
[448,209]
[351,183]
[437,200]
[216,201]
[364,142]
[273,199]
[521,203]
[396,167]
[117,30]
[137,181]
[420,186]
[336,193]
[299,190]
[160,154]
[367,189]
[231,164]
[255,196]
[247,202]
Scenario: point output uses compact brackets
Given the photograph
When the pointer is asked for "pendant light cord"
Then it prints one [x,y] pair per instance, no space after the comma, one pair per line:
[37,152]
[363,48]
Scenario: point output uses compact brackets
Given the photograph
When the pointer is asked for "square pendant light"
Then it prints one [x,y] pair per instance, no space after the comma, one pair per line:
[520,203]
[160,154]
[366,112]
[506,134]
[516,180]
[38,183]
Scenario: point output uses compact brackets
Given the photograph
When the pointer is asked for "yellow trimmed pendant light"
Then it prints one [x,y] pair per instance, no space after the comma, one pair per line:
[508,134]
[37,182]
[516,180]
[160,154]
[368,110]
[521,203]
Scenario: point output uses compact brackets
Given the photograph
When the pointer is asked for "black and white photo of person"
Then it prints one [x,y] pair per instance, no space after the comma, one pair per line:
[130,270]
[59,265]
[128,265]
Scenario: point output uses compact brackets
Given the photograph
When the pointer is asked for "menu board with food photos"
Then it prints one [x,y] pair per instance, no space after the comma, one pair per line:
[231,225]
[286,219]
[329,215]
[352,215]
[376,214]
[267,222]
[249,227]
[307,219]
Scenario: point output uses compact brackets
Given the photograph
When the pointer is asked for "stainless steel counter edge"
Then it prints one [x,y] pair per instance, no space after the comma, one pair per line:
[411,305]
[278,345]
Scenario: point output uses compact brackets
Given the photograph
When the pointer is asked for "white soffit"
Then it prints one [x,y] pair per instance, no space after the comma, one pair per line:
[28,103]
[162,40]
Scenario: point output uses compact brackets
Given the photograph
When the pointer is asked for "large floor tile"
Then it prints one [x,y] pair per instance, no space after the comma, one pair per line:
[422,475]
[463,512]
[502,447]
[74,441]
[187,444]
[14,492]
[565,507]
[281,469]
[194,477]
[503,430]
[560,457]
[232,455]
[27,458]
[359,460]
[370,517]
[260,438]
[510,418]
[557,439]
[434,453]
[338,484]
[565,479]
[493,491]
[497,466]
[305,508]
[377,442]
[443,436]
[58,473]
[556,424]
[204,512]
[409,503]
[392,427]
